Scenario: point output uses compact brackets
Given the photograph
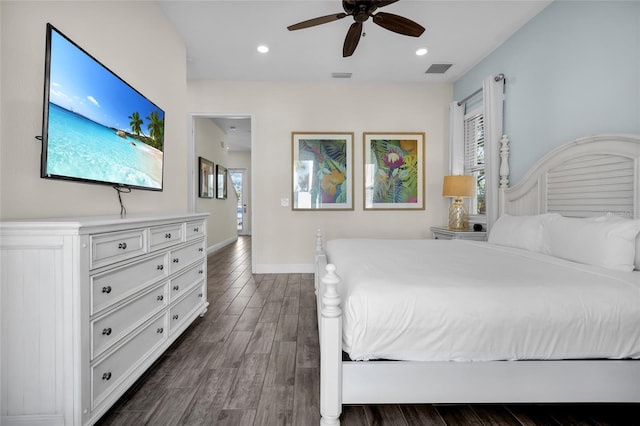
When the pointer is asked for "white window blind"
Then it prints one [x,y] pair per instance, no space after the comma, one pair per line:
[474,158]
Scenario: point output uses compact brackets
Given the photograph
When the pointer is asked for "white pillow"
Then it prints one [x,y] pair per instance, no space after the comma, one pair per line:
[614,218]
[525,232]
[602,241]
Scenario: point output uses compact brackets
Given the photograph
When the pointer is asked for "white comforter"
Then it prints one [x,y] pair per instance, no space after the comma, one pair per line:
[437,300]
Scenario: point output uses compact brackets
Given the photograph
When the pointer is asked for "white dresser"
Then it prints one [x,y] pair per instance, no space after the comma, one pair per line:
[88,304]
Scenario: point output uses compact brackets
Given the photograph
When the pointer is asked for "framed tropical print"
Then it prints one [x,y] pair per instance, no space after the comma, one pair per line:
[394,171]
[322,175]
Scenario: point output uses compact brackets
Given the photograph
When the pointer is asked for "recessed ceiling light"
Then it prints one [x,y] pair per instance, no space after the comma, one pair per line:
[422,51]
[263,49]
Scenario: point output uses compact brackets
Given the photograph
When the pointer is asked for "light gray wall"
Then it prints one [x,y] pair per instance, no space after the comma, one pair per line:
[572,71]
[283,240]
[132,38]
[221,224]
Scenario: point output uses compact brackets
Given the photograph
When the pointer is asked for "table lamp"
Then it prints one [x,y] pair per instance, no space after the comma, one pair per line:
[458,187]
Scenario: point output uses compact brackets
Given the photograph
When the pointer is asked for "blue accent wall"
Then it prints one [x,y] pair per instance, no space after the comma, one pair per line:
[572,71]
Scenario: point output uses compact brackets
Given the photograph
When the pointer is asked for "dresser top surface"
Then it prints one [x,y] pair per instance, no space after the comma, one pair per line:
[88,224]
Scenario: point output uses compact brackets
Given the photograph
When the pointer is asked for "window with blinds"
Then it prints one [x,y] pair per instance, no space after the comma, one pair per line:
[474,158]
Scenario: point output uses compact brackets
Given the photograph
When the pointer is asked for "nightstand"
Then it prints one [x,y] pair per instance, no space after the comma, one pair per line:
[444,233]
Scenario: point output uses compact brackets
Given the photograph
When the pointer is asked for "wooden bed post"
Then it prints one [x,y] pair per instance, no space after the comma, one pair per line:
[331,351]
[504,173]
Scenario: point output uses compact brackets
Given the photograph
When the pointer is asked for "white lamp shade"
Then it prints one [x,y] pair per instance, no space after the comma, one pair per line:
[459,186]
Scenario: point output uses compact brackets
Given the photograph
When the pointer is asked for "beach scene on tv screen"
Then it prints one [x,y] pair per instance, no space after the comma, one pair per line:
[100,128]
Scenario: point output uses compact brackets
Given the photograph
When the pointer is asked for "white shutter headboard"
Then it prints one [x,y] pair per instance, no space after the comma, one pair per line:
[591,176]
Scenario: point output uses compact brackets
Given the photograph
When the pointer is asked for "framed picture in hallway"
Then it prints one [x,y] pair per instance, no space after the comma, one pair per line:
[394,171]
[206,187]
[221,182]
[322,170]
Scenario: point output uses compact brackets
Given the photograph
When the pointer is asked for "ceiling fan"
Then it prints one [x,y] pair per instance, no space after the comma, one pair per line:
[361,10]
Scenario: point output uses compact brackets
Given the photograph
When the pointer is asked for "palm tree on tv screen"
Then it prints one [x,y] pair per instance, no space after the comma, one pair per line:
[136,123]
[156,128]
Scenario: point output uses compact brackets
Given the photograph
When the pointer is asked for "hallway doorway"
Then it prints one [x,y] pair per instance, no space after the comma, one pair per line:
[238,178]
[233,133]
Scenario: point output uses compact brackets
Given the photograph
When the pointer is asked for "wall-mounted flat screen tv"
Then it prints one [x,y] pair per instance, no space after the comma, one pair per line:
[96,127]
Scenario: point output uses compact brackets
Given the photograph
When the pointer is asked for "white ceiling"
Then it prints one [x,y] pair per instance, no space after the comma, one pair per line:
[222,38]
[238,130]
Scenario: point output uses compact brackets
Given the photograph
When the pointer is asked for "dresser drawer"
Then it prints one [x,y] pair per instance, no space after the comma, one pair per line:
[182,310]
[185,281]
[182,257]
[116,246]
[195,229]
[113,286]
[166,236]
[112,327]
[111,371]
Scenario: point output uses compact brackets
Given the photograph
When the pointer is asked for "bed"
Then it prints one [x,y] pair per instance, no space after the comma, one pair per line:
[577,337]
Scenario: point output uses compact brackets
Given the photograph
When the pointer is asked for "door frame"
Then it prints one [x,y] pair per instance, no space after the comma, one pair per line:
[192,178]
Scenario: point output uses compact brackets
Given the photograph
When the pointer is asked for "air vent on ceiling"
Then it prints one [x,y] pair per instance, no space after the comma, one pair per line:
[438,68]
[341,74]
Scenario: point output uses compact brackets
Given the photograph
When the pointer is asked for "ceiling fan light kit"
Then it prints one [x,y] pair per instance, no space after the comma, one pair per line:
[362,10]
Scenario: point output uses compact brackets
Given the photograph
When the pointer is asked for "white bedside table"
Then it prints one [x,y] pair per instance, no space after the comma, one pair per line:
[444,233]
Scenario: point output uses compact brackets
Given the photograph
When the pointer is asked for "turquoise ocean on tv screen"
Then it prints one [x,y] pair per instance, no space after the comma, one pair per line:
[81,148]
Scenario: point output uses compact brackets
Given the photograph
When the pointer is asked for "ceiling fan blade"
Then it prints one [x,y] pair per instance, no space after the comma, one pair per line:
[316,21]
[383,3]
[352,39]
[398,24]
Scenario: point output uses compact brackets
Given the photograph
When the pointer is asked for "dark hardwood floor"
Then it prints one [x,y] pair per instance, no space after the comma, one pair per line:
[254,359]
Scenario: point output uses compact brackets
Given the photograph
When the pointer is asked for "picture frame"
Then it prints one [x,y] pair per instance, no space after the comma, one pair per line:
[206,186]
[221,182]
[394,170]
[322,170]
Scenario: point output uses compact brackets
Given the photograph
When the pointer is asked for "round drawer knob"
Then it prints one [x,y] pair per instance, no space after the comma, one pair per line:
[160,267]
[161,297]
[106,289]
[106,331]
[122,246]
[160,330]
[106,376]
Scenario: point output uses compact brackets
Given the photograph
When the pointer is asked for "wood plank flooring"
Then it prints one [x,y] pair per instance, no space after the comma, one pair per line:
[254,360]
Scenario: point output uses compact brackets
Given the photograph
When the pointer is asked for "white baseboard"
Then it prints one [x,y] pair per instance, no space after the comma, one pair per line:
[301,268]
[221,244]
[33,420]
